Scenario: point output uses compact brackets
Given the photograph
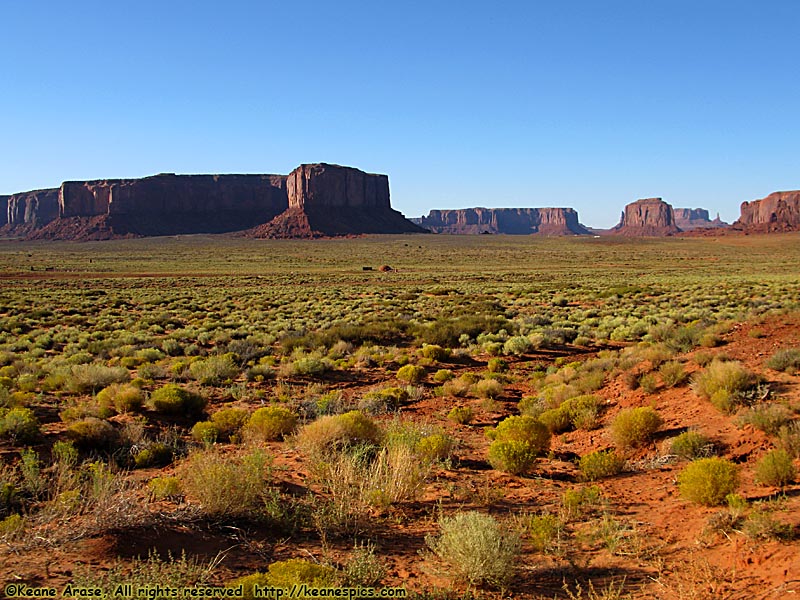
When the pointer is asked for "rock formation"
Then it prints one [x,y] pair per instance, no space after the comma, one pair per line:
[648,217]
[28,210]
[166,204]
[314,200]
[696,218]
[519,221]
[780,211]
[331,200]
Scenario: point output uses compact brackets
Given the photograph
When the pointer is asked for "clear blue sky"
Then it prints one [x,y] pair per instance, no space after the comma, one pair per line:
[590,104]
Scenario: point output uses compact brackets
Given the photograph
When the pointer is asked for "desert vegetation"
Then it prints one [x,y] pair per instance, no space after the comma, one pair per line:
[543,418]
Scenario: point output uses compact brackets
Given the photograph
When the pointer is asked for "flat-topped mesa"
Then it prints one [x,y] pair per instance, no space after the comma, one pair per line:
[696,218]
[780,211]
[514,221]
[30,209]
[323,185]
[648,217]
[331,200]
[165,204]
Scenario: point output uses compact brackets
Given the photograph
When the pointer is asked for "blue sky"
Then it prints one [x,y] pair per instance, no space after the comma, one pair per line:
[585,104]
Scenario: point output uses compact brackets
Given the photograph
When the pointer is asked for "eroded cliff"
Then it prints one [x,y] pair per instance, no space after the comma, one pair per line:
[780,211]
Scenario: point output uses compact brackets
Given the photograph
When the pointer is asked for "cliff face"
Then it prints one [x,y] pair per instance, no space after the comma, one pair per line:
[695,218]
[647,217]
[331,200]
[519,221]
[780,211]
[323,185]
[30,209]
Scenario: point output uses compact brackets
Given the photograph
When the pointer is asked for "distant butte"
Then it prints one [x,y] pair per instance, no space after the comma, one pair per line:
[780,211]
[514,221]
[648,217]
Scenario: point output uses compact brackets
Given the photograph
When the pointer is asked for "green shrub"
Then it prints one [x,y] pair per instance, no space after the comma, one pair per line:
[434,352]
[512,456]
[462,415]
[476,548]
[557,420]
[776,468]
[411,373]
[172,399]
[123,397]
[634,427]
[214,370]
[724,383]
[787,360]
[229,421]
[442,375]
[270,423]
[18,425]
[543,531]
[497,365]
[435,447]
[600,464]
[286,574]
[708,481]
[155,455]
[92,433]
[310,365]
[522,429]
[163,488]
[691,445]
[205,432]
[576,502]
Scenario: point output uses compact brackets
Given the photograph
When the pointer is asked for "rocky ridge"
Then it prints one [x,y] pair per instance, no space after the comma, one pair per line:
[516,221]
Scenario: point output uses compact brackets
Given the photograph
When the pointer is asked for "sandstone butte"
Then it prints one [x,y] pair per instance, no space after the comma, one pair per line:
[517,221]
[696,218]
[314,200]
[780,211]
[645,218]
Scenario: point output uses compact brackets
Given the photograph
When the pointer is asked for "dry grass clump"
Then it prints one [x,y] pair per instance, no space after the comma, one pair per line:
[476,548]
[708,481]
[776,468]
[691,445]
[225,485]
[93,377]
[214,370]
[634,427]
[333,432]
[725,384]
[787,360]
